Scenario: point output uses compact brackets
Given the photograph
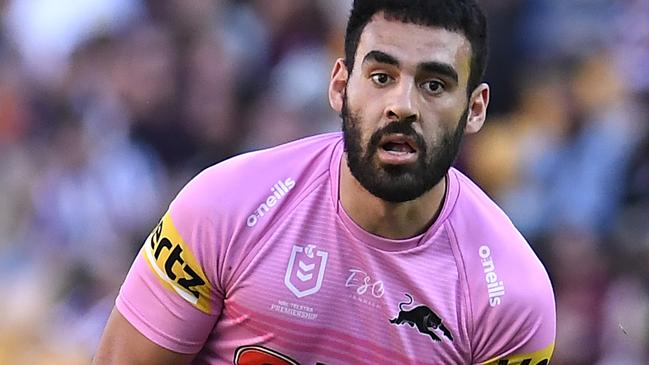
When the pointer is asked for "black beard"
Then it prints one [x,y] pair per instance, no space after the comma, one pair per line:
[402,183]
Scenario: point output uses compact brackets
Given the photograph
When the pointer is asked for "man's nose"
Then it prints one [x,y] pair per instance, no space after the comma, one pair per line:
[403,104]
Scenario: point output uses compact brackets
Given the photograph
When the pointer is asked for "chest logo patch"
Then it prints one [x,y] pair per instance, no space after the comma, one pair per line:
[305,270]
[423,318]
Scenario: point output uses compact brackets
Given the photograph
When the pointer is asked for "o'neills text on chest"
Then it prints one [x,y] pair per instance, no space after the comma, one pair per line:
[278,190]
[495,287]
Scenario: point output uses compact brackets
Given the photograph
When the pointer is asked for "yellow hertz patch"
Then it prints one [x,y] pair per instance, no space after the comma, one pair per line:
[541,357]
[170,258]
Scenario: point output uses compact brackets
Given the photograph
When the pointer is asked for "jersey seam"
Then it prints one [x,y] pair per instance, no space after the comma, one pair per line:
[467,292]
[263,237]
[260,237]
[217,286]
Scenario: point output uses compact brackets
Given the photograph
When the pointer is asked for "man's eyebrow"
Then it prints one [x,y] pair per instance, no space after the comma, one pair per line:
[439,68]
[381,57]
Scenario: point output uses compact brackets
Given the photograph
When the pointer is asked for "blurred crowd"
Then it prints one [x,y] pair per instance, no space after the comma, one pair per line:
[108,107]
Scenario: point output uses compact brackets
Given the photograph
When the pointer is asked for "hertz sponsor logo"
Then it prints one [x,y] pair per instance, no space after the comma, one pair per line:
[279,190]
[170,258]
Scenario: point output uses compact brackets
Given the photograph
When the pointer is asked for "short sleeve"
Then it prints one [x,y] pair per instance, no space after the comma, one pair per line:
[519,327]
[167,295]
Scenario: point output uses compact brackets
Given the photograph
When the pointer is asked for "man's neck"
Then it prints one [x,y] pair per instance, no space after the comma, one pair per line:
[385,219]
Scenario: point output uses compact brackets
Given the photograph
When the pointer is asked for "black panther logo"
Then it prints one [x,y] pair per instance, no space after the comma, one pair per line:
[424,318]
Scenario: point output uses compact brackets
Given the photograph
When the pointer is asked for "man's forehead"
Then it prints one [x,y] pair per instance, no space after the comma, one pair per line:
[413,43]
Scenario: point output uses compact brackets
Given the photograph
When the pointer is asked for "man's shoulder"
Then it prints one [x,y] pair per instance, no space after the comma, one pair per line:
[477,214]
[234,189]
[310,153]
[511,296]
[492,246]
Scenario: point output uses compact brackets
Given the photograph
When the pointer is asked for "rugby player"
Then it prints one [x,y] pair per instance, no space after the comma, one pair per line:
[360,247]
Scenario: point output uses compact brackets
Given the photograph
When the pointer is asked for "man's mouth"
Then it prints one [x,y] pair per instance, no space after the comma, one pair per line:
[397,149]
[398,144]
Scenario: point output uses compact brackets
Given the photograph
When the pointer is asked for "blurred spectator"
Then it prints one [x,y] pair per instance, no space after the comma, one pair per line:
[567,147]
[213,119]
[631,43]
[581,275]
[46,32]
[505,53]
[146,76]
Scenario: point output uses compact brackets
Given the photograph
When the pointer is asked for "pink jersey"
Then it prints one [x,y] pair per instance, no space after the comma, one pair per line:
[257,262]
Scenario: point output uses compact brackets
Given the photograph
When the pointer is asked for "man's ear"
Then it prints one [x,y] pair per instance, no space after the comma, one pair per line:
[337,85]
[478,104]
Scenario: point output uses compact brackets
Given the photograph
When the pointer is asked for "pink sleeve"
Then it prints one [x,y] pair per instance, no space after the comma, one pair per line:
[514,316]
[509,293]
[175,289]
[171,293]
[520,329]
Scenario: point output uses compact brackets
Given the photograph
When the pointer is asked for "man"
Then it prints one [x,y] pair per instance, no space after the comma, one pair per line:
[365,248]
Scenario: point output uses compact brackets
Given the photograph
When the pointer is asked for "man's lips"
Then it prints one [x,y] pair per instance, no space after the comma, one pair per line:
[397,149]
[398,143]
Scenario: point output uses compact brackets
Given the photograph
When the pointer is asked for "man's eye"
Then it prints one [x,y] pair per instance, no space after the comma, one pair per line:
[381,79]
[433,87]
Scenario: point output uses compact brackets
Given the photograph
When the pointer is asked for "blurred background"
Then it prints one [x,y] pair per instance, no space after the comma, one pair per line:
[108,107]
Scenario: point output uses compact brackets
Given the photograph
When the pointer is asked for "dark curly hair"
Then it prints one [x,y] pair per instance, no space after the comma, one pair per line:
[463,16]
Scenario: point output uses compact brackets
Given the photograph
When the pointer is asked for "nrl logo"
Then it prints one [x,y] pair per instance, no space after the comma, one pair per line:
[305,270]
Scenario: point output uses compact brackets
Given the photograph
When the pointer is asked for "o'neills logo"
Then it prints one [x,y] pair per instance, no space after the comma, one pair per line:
[279,190]
[495,288]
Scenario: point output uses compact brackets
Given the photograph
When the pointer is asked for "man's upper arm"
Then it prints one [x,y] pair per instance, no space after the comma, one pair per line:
[168,295]
[514,313]
[121,343]
[172,294]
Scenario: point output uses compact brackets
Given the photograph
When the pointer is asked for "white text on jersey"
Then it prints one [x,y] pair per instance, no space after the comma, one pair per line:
[495,288]
[279,190]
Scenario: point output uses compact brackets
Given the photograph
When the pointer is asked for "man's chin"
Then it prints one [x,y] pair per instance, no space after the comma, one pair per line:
[396,196]
[393,184]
